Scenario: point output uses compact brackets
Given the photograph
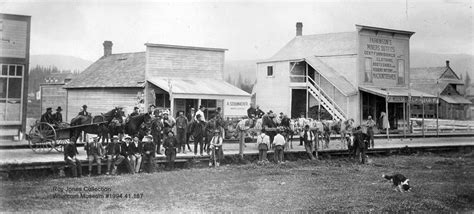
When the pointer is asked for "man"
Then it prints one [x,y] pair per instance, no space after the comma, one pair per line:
[263,143]
[301,124]
[156,130]
[135,112]
[114,158]
[191,119]
[58,117]
[218,113]
[168,123]
[251,112]
[136,154]
[216,147]
[201,112]
[192,115]
[148,152]
[198,131]
[170,145]
[269,126]
[210,127]
[94,152]
[125,152]
[47,117]
[181,126]
[70,152]
[279,142]
[84,112]
[259,113]
[308,138]
[370,123]
[151,109]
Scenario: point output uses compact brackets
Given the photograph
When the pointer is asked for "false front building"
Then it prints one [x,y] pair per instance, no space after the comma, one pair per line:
[169,76]
[349,75]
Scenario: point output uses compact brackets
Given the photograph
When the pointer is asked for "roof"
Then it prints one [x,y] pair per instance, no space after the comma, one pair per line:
[430,87]
[404,92]
[333,76]
[455,99]
[331,44]
[184,47]
[202,86]
[410,33]
[113,71]
[432,74]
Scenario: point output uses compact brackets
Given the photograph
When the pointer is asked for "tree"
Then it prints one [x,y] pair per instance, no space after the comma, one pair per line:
[467,85]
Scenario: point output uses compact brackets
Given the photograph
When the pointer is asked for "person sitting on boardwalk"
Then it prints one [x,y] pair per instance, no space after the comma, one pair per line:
[114,158]
[47,117]
[70,152]
[170,145]
[279,142]
[148,152]
[263,143]
[216,147]
[94,154]
[308,138]
[136,154]
[125,151]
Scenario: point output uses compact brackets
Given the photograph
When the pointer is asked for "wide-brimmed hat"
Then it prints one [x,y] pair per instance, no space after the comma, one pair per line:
[166,112]
[217,131]
[135,108]
[147,138]
[49,108]
[84,106]
[59,108]
[127,137]
[115,137]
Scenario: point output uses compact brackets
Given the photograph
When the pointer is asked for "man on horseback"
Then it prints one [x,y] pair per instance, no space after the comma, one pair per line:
[135,112]
[84,112]
[251,112]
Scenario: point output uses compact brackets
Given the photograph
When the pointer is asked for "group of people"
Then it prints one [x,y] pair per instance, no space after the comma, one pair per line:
[52,118]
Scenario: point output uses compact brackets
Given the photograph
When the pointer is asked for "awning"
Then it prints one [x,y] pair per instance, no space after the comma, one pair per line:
[398,95]
[197,86]
[455,99]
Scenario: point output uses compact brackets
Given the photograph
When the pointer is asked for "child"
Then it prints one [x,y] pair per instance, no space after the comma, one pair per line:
[263,143]
[216,146]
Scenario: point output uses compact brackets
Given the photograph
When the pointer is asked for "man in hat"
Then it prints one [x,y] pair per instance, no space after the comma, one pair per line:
[114,158]
[47,117]
[151,109]
[198,131]
[156,132]
[181,126]
[201,112]
[308,138]
[148,153]
[125,152]
[70,152]
[94,152]
[58,117]
[170,145]
[136,154]
[279,142]
[216,147]
[269,126]
[168,123]
[84,112]
[251,112]
[370,123]
[135,112]
[258,112]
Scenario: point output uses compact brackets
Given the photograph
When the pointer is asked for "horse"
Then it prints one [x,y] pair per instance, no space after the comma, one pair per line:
[337,127]
[94,123]
[138,124]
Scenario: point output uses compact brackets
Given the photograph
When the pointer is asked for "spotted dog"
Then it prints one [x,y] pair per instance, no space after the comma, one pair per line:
[400,182]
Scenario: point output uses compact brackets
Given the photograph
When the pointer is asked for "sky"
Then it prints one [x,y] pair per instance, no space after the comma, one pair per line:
[250,30]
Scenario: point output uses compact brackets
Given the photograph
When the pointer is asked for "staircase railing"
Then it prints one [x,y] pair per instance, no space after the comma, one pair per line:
[337,109]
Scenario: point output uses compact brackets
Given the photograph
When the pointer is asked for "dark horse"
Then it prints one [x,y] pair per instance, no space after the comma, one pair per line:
[93,125]
[137,125]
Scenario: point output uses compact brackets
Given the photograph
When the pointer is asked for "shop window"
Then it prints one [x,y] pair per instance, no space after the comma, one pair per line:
[162,101]
[401,72]
[269,71]
[14,88]
[11,70]
[11,92]
[210,108]
[19,71]
[5,70]
[368,70]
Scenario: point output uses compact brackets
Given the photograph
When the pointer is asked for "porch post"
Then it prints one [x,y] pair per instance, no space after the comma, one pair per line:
[422,116]
[386,109]
[404,120]
[307,90]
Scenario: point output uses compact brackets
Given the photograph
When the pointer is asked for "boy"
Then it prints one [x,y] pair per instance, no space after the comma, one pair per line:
[216,147]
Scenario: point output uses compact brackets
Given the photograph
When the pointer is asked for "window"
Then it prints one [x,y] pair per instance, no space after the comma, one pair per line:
[210,108]
[162,101]
[401,72]
[368,70]
[269,71]
[11,90]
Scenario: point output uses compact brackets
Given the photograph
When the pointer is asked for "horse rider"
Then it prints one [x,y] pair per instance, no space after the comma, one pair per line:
[47,117]
[84,112]
[58,117]
[135,112]
[269,126]
[251,112]
[370,123]
[258,112]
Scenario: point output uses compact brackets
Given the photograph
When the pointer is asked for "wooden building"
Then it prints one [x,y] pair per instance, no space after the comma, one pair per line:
[52,91]
[14,65]
[450,87]
[350,74]
[168,76]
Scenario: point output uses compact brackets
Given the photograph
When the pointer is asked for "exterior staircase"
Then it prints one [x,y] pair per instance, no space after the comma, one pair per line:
[326,101]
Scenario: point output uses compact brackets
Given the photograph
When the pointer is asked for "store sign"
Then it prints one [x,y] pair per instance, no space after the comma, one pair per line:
[423,99]
[236,107]
[394,99]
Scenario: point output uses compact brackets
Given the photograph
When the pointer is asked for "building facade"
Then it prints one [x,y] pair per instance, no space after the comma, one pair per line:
[350,75]
[14,63]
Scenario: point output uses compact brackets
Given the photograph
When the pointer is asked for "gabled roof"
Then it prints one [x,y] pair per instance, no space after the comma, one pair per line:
[455,99]
[113,71]
[429,87]
[432,74]
[201,86]
[333,76]
[317,45]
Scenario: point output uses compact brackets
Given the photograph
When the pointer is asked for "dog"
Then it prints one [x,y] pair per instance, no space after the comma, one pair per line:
[400,182]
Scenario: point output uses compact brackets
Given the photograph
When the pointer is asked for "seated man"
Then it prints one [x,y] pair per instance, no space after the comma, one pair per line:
[70,152]
[148,153]
[136,154]
[114,158]
[94,154]
[216,148]
[126,152]
[47,117]
[58,117]
[170,144]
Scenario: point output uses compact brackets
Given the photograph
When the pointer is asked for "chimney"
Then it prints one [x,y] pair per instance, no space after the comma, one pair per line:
[107,48]
[447,63]
[299,29]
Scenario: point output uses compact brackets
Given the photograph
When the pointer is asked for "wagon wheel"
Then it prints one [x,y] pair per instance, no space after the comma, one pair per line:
[41,138]
[60,144]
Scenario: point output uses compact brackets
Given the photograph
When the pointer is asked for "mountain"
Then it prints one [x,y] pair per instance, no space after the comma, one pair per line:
[62,62]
